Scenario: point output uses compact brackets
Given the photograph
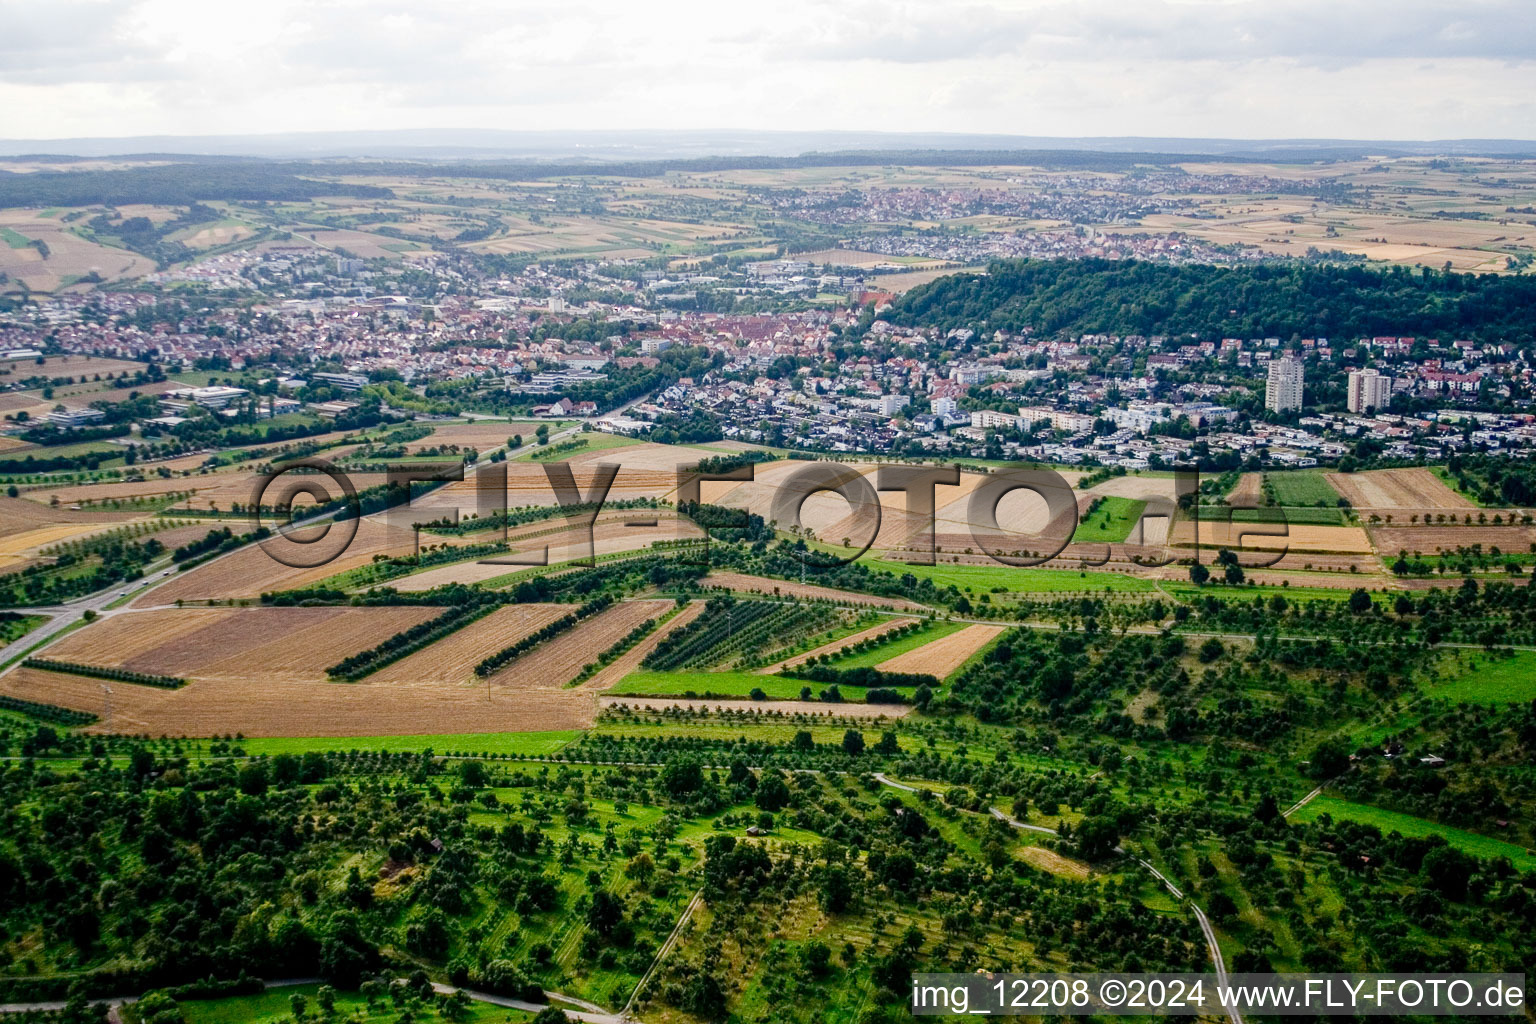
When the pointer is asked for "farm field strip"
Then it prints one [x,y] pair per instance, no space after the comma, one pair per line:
[1017,579]
[556,662]
[784,707]
[630,660]
[453,658]
[943,656]
[743,584]
[931,631]
[879,629]
[1391,489]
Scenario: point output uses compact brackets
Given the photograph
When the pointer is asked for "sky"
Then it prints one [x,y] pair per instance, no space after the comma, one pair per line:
[1358,69]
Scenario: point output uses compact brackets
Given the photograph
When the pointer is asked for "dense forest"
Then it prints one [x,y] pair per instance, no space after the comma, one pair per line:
[1071,297]
[172,185]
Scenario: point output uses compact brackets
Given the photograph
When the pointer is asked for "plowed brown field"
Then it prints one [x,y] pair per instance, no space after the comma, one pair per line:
[257,706]
[1274,537]
[1429,540]
[260,672]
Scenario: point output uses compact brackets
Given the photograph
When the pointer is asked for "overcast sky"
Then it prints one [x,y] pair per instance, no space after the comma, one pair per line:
[1378,69]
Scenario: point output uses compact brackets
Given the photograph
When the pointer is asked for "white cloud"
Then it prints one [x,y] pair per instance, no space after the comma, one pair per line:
[1238,68]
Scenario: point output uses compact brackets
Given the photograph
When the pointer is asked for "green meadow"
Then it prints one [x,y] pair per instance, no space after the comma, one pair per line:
[523,744]
[1408,825]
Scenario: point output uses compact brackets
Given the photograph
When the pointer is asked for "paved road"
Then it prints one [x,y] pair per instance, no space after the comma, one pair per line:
[666,948]
[1299,804]
[589,1012]
[592,1015]
[122,1000]
[62,616]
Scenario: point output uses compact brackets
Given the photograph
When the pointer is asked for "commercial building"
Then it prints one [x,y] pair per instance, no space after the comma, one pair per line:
[211,397]
[344,381]
[71,418]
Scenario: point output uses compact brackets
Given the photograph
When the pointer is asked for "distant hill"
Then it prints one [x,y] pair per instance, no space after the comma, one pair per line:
[1071,297]
[608,146]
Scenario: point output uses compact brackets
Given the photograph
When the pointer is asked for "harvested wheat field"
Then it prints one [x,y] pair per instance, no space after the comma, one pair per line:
[783,588]
[610,538]
[830,517]
[13,402]
[879,629]
[453,658]
[944,655]
[20,547]
[786,708]
[72,365]
[250,571]
[128,490]
[18,515]
[1274,537]
[225,490]
[482,435]
[556,662]
[1023,522]
[630,660]
[120,638]
[1139,488]
[288,707]
[546,544]
[1397,489]
[1430,540]
[252,644]
[459,572]
[529,486]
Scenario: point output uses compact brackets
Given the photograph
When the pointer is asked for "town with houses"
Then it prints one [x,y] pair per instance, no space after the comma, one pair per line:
[830,378]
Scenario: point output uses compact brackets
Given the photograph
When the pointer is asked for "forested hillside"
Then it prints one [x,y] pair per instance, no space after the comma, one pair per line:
[1133,297]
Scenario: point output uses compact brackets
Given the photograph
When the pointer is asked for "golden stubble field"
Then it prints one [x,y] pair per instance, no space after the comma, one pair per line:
[261,672]
[556,662]
[250,571]
[1416,489]
[942,656]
